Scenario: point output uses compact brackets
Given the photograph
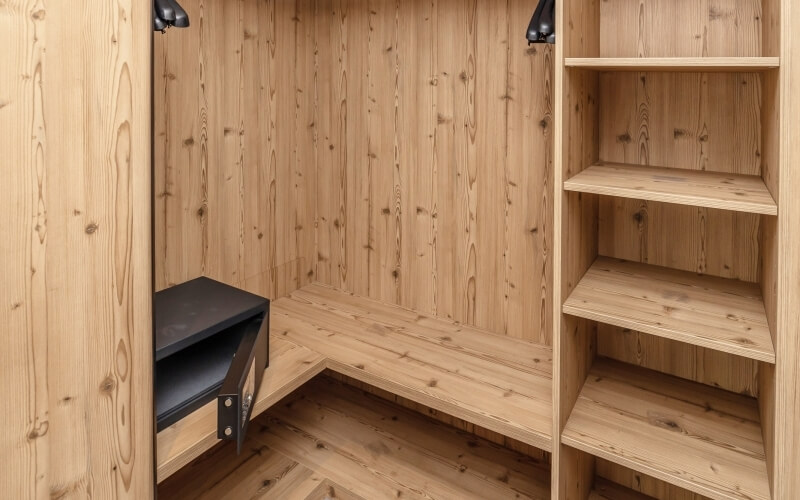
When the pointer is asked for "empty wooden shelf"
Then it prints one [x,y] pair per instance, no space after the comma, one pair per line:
[718,313]
[608,490]
[682,64]
[695,436]
[744,193]
[329,440]
[290,366]
[497,382]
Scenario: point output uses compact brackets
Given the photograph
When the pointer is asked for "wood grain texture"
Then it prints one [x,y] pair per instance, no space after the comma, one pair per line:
[258,472]
[607,490]
[787,376]
[575,218]
[700,438]
[681,28]
[680,64]
[435,160]
[445,418]
[235,174]
[75,285]
[613,481]
[708,366]
[716,313]
[499,383]
[332,441]
[743,193]
[290,366]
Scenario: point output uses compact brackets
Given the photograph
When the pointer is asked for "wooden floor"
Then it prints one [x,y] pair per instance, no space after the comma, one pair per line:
[332,441]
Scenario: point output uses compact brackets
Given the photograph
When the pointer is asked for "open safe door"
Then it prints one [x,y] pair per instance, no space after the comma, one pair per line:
[241,385]
[212,341]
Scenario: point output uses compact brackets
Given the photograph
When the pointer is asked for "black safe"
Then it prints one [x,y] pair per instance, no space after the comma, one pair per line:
[212,341]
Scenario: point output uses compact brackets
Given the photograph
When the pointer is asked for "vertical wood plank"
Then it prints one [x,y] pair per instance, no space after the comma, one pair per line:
[75,251]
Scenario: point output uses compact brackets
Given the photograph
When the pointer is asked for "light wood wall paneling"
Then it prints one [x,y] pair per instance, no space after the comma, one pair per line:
[435,160]
[576,147]
[75,280]
[235,134]
[647,485]
[631,28]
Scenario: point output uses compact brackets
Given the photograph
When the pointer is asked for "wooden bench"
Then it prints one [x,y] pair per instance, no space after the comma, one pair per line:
[497,382]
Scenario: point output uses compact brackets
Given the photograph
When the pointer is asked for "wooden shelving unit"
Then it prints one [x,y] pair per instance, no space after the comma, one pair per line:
[332,441]
[718,313]
[699,188]
[668,208]
[682,64]
[704,439]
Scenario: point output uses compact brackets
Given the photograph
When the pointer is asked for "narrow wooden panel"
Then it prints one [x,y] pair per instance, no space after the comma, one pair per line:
[700,438]
[744,193]
[575,247]
[450,367]
[290,366]
[440,201]
[680,28]
[721,314]
[75,292]
[235,163]
[680,64]
[787,395]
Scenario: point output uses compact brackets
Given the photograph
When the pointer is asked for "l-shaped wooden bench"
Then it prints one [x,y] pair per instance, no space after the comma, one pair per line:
[500,383]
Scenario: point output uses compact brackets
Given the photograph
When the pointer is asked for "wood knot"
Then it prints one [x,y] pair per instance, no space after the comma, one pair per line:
[38,431]
[92,228]
[108,385]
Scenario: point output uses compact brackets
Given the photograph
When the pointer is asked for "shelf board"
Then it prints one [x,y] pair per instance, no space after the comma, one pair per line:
[743,193]
[330,440]
[608,490]
[695,436]
[722,314]
[678,64]
[498,382]
[290,366]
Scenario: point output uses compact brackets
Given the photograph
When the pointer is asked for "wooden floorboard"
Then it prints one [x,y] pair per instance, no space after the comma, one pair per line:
[497,382]
[692,435]
[330,440]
